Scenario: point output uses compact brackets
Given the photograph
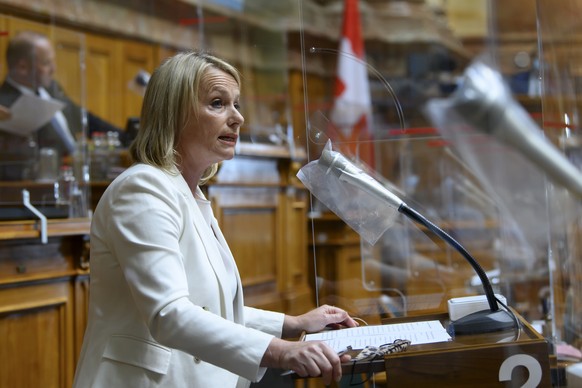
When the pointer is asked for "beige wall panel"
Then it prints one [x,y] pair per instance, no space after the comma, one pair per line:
[69,47]
[103,79]
[251,235]
[135,57]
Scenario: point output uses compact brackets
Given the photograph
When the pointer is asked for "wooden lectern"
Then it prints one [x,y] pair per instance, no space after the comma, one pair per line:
[512,358]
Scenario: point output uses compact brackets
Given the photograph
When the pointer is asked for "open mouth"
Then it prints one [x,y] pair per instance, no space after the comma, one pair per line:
[228,138]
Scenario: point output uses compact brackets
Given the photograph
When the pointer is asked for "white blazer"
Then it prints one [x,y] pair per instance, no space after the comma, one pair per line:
[161,310]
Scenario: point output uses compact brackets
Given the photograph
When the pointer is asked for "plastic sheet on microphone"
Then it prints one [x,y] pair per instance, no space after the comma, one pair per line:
[369,216]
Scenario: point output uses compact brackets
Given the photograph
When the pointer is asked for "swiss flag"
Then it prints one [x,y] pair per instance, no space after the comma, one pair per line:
[352,108]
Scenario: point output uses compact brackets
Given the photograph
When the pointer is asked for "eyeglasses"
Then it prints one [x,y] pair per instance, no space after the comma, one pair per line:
[371,353]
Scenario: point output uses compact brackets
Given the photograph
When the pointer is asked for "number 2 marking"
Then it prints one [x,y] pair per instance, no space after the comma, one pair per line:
[533,367]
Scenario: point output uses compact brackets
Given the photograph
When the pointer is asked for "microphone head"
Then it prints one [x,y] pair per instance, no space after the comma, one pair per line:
[328,158]
[487,105]
[142,78]
[354,196]
[336,163]
[480,98]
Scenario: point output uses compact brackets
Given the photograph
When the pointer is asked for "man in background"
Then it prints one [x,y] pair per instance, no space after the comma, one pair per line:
[30,58]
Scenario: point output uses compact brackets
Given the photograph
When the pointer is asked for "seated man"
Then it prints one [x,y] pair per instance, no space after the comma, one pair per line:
[30,57]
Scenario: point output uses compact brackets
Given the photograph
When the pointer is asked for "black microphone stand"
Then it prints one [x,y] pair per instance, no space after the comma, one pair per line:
[484,321]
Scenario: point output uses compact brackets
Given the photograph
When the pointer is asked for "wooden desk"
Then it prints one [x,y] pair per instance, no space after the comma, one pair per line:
[43,301]
[486,360]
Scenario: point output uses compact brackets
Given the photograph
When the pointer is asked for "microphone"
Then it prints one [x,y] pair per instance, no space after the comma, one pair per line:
[341,167]
[483,101]
[483,321]
[139,83]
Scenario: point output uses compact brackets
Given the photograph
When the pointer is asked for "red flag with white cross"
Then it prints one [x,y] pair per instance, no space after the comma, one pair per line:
[352,107]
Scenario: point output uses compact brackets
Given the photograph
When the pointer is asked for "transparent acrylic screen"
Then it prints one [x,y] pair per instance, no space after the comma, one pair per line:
[559,64]
[33,154]
[502,209]
[518,224]
[510,214]
[407,271]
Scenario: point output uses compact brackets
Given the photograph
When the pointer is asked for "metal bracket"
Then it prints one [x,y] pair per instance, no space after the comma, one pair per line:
[42,217]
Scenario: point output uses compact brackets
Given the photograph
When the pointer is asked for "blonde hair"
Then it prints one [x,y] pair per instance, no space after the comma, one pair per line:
[169,101]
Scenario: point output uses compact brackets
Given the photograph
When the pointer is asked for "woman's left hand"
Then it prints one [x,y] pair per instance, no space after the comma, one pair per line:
[317,320]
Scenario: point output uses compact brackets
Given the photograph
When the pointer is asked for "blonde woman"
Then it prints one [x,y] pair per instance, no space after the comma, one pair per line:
[166,301]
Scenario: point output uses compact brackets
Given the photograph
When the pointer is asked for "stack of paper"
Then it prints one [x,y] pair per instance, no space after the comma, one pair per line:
[423,332]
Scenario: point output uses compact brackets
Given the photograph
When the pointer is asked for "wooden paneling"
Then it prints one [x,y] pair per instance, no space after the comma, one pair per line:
[249,221]
[250,230]
[135,57]
[43,299]
[69,48]
[15,25]
[294,265]
[317,89]
[94,70]
[161,53]
[35,326]
[262,216]
[103,78]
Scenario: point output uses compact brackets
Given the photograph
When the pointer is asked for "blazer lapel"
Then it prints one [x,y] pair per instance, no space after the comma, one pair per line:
[208,239]
[238,299]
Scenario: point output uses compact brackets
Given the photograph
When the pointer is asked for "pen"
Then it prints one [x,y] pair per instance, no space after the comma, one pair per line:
[302,336]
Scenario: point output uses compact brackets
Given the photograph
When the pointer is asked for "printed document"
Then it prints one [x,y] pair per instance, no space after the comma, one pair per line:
[423,332]
[29,114]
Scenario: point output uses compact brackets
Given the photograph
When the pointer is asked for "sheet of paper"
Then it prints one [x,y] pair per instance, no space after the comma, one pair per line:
[422,332]
[29,114]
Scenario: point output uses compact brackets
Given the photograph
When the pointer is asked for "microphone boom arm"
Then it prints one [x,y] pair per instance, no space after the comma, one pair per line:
[420,219]
[483,321]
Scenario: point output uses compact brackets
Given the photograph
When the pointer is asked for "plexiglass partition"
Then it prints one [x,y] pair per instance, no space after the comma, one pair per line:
[43,133]
[90,62]
[101,66]
[462,138]
[378,81]
[559,69]
[382,68]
